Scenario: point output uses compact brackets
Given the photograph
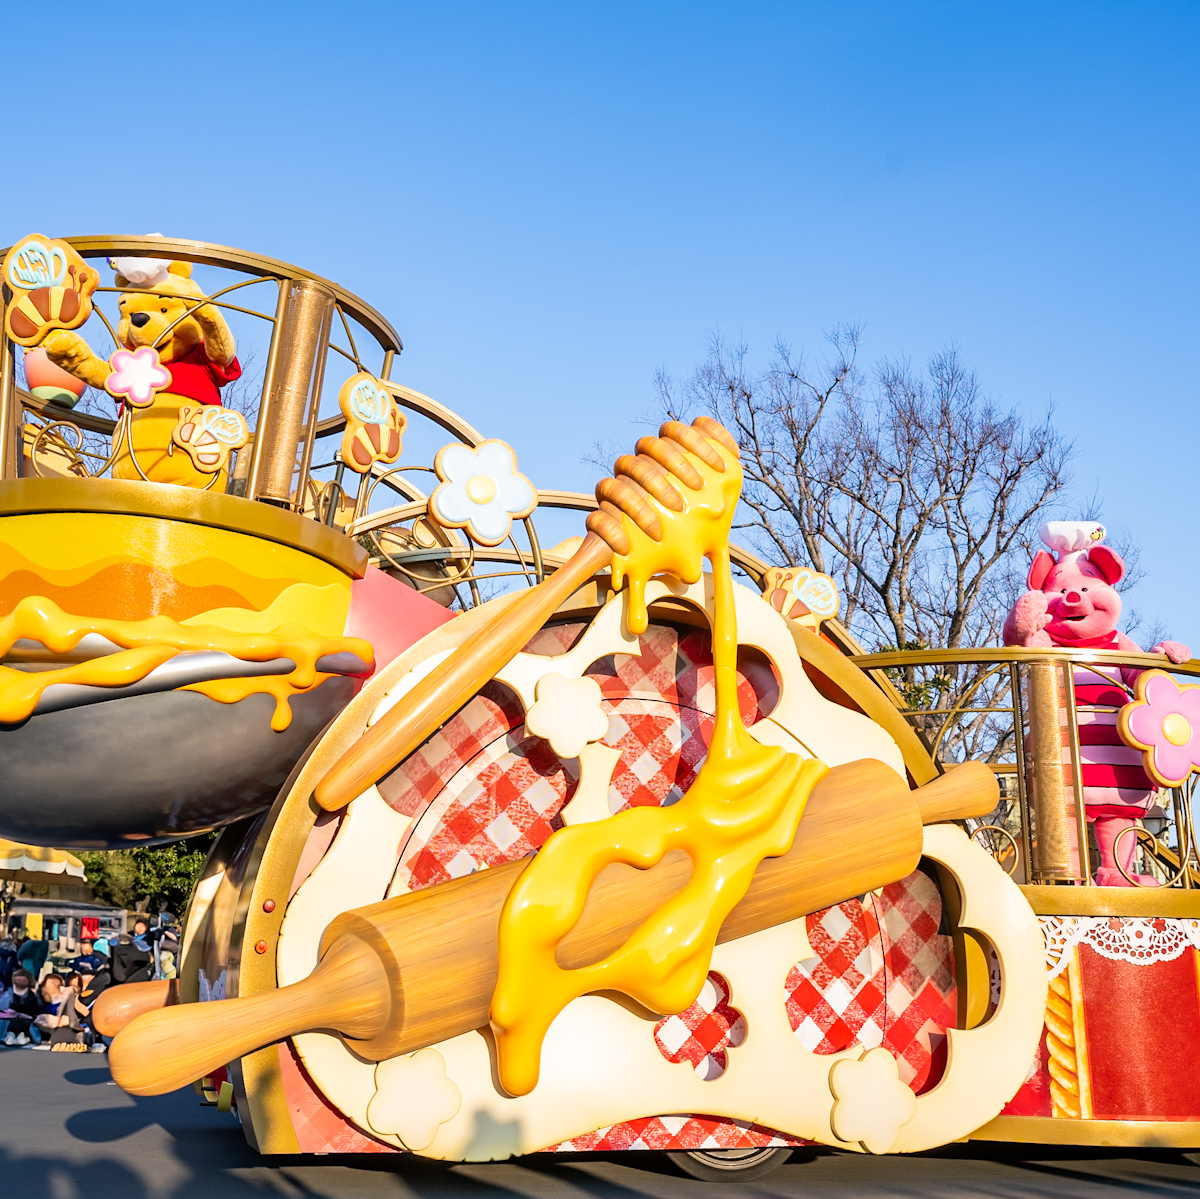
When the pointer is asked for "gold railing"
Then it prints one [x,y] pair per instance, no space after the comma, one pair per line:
[309,319]
[1016,709]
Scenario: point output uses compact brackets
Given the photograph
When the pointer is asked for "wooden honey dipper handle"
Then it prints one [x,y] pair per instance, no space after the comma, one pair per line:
[437,696]
[415,970]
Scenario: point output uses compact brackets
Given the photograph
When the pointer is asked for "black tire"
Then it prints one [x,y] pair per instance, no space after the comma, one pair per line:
[1191,1155]
[729,1165]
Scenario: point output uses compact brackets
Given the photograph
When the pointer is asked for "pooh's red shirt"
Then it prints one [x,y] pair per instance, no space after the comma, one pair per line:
[196,377]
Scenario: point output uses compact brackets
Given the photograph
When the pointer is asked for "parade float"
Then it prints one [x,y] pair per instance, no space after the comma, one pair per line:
[619,844]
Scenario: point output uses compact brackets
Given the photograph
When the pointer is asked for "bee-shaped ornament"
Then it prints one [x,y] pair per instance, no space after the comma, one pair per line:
[803,595]
[52,289]
[208,435]
[374,423]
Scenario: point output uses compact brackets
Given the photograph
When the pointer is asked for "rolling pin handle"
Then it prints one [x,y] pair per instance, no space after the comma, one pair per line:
[163,1050]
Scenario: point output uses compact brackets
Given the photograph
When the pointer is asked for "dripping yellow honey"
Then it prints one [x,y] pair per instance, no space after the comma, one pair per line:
[743,806]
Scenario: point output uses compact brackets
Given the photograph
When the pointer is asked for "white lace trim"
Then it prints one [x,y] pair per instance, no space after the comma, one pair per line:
[1119,938]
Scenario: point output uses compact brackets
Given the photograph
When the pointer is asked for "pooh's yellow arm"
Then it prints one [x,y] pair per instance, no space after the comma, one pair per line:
[69,351]
[219,344]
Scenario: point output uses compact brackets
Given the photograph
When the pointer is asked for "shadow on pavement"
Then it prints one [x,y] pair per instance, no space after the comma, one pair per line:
[67,1132]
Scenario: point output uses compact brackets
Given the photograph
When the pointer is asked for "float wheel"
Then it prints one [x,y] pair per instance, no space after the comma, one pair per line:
[728,1165]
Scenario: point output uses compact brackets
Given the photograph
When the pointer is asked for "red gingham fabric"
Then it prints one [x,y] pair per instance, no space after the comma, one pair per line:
[883,975]
[675,1132]
[319,1126]
[494,793]
[839,997]
[700,1035]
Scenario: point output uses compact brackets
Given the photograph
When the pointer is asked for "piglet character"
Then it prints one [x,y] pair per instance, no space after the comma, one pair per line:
[1072,602]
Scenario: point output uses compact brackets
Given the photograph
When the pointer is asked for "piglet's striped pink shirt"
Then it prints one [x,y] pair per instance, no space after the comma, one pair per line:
[1114,782]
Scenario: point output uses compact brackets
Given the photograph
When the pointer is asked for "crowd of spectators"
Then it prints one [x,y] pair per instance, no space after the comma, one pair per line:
[46,1003]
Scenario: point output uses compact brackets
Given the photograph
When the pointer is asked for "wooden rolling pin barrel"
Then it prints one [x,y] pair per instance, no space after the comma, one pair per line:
[411,971]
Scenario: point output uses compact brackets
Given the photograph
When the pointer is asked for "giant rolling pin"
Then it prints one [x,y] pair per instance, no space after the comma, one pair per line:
[411,971]
[659,469]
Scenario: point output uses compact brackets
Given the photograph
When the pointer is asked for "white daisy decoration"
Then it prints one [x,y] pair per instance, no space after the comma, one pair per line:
[481,490]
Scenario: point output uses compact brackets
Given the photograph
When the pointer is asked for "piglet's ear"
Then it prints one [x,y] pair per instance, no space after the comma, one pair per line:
[1043,564]
[1108,563]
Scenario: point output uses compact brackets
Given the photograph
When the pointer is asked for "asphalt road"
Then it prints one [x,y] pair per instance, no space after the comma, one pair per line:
[67,1132]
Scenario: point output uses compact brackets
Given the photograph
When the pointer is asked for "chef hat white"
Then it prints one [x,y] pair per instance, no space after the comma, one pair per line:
[1071,536]
[142,272]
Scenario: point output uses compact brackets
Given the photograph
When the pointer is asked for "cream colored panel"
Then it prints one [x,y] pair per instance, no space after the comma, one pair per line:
[600,1062]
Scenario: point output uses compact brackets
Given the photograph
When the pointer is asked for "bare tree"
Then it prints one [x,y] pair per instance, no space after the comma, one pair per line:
[913,489]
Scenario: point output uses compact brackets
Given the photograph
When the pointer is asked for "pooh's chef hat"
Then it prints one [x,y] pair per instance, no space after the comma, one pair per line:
[142,272]
[1071,536]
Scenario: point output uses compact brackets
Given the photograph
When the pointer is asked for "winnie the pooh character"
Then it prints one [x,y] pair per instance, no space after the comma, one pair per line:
[159,308]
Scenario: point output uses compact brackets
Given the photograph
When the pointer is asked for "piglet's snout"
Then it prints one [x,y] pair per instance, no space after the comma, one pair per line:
[1074,603]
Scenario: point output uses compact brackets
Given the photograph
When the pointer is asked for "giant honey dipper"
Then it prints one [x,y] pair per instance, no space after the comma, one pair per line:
[519,941]
[642,499]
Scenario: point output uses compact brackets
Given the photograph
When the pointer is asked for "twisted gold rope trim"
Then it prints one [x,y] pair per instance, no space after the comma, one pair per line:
[1060,1042]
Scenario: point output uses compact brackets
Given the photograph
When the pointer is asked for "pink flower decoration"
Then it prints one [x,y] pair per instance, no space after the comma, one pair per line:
[137,375]
[1164,723]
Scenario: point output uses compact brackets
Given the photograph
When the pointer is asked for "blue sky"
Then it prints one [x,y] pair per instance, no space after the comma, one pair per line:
[551,201]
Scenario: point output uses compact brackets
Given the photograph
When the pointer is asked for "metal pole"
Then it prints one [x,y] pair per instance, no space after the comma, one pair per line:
[1068,682]
[310,433]
[291,388]
[1022,791]
[1055,841]
[10,408]
[254,451]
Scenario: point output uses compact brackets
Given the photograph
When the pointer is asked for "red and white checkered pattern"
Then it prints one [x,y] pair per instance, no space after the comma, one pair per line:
[922,1001]
[318,1125]
[840,996]
[883,975]
[701,1035]
[500,806]
[675,1132]
[678,667]
[423,776]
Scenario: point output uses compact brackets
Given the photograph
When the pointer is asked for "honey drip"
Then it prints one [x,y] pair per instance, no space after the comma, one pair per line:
[743,806]
[147,644]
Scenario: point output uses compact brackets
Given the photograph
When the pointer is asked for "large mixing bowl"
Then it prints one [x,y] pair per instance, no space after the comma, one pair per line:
[97,764]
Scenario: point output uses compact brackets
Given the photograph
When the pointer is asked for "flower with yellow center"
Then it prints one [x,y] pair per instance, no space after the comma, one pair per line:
[481,491]
[1162,721]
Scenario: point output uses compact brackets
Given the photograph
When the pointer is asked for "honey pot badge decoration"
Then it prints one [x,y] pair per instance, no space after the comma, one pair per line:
[52,288]
[374,423]
[805,596]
